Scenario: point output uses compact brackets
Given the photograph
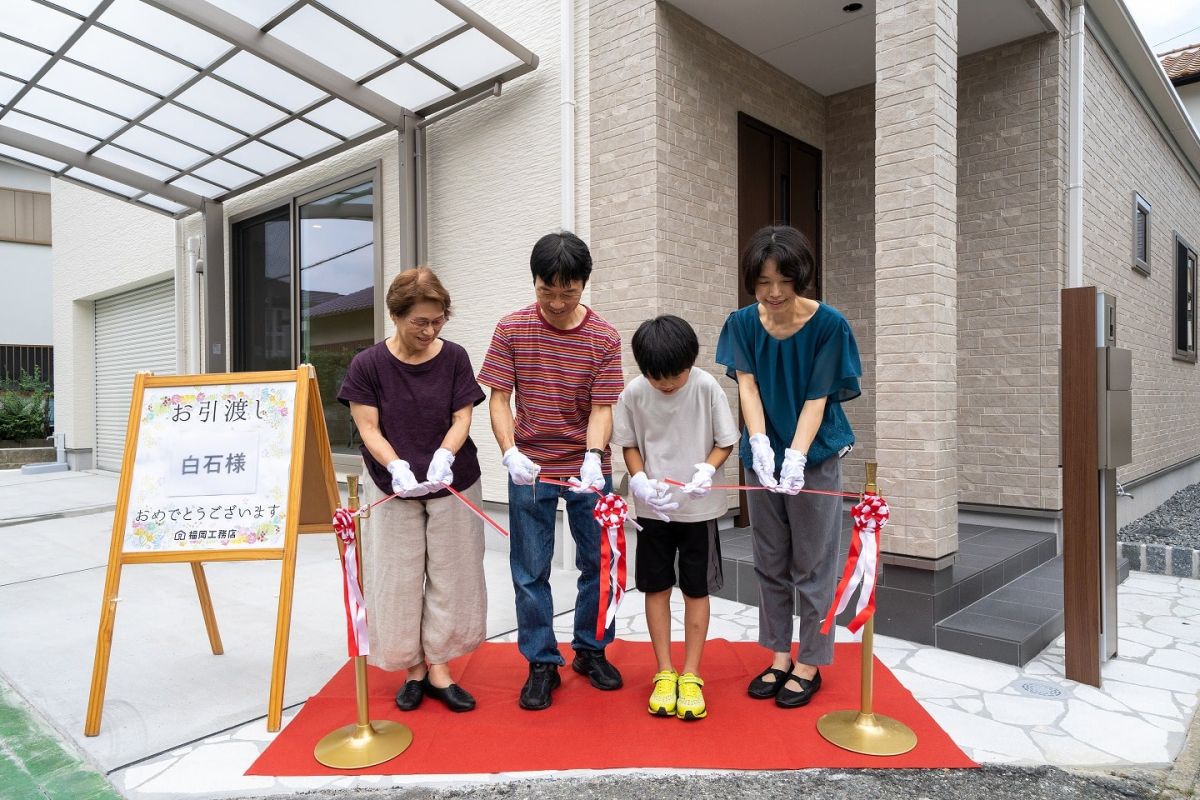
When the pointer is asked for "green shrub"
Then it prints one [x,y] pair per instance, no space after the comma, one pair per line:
[22,415]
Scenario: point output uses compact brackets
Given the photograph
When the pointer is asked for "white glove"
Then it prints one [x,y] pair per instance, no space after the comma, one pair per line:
[653,496]
[591,475]
[701,481]
[763,458]
[404,483]
[522,471]
[439,468]
[791,475]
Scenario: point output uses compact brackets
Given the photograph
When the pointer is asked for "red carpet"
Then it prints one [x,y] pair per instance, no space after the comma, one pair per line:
[590,729]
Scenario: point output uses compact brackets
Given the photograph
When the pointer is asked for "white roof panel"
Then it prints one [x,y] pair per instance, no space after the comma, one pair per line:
[37,24]
[123,59]
[179,100]
[332,43]
[164,31]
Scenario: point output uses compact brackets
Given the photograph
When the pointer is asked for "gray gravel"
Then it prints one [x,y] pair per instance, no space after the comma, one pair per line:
[1009,783]
[1176,522]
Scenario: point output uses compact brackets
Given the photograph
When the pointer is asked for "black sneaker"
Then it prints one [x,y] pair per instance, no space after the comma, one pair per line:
[543,679]
[600,673]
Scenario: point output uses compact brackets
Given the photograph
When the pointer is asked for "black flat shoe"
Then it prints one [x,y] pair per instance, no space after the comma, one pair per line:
[410,695]
[790,699]
[761,689]
[454,696]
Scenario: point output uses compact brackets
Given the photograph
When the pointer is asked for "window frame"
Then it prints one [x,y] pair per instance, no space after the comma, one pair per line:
[1184,248]
[1141,206]
[292,200]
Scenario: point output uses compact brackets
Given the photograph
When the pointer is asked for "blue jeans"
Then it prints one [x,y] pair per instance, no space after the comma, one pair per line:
[531,511]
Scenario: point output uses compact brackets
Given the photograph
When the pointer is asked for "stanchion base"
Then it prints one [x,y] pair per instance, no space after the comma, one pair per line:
[357,746]
[869,734]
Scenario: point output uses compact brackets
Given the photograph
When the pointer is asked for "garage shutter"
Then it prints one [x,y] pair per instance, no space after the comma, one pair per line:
[134,331]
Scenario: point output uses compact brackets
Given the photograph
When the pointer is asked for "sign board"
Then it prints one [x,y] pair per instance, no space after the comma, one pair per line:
[218,467]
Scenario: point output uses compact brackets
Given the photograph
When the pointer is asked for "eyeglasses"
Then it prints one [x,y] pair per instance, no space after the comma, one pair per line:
[420,323]
[567,295]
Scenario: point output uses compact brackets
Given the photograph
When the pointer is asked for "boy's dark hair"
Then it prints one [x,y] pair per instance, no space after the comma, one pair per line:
[559,258]
[787,247]
[665,346]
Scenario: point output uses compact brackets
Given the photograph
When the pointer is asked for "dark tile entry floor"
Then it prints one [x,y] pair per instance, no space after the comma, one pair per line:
[1001,600]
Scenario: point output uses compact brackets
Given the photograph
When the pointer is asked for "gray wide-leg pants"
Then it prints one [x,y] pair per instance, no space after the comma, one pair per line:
[796,559]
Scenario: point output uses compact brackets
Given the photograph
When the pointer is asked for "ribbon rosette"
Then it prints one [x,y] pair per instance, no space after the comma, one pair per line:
[356,605]
[610,512]
[870,514]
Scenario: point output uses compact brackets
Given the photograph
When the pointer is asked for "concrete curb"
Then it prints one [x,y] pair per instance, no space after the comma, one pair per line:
[1161,559]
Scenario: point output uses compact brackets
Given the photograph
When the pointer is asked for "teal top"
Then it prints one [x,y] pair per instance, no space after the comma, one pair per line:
[819,360]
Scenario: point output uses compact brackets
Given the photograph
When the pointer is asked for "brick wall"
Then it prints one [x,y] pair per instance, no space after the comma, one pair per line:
[849,217]
[1009,272]
[1124,152]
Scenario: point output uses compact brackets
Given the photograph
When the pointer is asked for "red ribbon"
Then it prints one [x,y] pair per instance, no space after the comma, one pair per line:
[610,513]
[870,515]
[740,488]
[356,606]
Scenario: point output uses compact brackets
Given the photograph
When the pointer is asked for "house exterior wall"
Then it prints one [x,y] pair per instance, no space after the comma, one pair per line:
[102,246]
[25,273]
[664,169]
[1010,231]
[1124,152]
[849,217]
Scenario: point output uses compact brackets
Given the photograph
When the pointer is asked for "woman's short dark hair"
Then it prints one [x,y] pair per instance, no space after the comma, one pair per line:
[787,247]
[560,258]
[413,286]
[665,346]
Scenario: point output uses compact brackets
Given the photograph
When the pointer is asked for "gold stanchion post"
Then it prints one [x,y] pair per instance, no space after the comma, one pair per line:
[864,731]
[367,742]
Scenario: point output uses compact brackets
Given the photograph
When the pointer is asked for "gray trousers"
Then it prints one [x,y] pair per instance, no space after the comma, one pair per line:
[796,559]
[423,578]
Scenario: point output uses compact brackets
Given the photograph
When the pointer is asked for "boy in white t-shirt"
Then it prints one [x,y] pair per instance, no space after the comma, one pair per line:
[674,422]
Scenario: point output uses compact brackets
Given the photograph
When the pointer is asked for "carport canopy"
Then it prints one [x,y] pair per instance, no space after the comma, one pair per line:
[169,103]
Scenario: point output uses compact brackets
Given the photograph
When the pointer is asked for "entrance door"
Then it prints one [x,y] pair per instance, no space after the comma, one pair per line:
[779,182]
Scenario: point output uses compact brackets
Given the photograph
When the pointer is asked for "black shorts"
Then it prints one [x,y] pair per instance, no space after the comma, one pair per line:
[697,546]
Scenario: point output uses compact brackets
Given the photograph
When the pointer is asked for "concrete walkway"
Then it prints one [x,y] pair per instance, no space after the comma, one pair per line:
[180,722]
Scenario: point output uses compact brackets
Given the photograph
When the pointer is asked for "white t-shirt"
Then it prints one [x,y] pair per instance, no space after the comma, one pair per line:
[674,432]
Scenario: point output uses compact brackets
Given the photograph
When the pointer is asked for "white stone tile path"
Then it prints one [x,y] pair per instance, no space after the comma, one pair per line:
[996,713]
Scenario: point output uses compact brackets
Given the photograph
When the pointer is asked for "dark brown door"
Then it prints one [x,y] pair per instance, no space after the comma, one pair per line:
[779,182]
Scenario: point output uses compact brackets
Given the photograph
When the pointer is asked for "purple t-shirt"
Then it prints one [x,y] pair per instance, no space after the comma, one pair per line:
[416,403]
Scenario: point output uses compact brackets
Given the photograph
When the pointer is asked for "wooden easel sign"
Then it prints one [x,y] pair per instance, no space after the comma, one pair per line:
[219,467]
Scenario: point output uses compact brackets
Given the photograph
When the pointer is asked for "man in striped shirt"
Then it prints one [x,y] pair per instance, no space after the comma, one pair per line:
[563,362]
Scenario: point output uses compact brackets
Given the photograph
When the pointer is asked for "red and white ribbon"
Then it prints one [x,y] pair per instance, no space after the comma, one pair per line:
[610,513]
[870,514]
[356,605]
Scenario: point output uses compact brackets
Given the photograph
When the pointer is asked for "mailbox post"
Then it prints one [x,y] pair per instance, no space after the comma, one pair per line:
[1095,424]
[1114,432]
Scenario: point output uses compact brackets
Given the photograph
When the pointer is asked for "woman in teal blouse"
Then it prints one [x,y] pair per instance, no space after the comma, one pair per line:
[795,362]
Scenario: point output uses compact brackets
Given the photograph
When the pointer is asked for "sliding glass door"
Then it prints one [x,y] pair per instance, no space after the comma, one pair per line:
[305,279]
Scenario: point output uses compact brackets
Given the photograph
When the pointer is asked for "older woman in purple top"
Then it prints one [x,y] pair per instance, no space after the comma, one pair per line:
[411,397]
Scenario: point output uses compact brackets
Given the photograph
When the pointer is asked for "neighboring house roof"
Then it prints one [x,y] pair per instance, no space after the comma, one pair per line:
[1182,64]
[355,301]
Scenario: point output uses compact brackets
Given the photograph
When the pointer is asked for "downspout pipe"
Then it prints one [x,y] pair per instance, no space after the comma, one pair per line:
[1075,148]
[566,31]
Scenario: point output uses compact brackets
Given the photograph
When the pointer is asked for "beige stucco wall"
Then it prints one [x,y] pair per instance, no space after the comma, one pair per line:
[102,246]
[1126,153]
